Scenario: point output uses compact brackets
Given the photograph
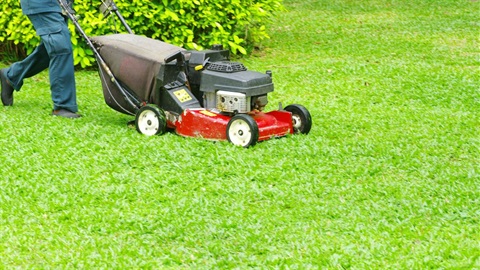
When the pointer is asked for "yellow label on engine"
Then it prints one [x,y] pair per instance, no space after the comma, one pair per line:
[182,95]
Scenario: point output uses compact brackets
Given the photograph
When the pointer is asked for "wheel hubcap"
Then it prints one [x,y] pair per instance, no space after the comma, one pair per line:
[148,123]
[297,122]
[240,134]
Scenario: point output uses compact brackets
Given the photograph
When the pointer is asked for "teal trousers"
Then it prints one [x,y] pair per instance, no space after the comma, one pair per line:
[55,53]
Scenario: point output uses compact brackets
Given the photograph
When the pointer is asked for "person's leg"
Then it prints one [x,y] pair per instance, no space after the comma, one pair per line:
[35,63]
[56,39]
[53,30]
[55,52]
[62,79]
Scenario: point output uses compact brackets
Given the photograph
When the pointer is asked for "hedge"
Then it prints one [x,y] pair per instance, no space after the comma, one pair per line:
[239,25]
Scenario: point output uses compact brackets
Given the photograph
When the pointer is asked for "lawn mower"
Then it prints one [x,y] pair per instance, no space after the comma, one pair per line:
[194,93]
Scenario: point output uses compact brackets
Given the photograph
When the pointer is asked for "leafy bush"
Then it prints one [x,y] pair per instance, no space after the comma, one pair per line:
[18,31]
[193,24]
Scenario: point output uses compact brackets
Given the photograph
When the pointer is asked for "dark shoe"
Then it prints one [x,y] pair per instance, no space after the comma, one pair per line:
[65,113]
[7,90]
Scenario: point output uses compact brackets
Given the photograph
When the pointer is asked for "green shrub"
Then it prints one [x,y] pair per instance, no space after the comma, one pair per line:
[17,30]
[193,24]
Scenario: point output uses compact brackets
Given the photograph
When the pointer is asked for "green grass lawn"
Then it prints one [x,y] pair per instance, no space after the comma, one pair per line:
[388,178]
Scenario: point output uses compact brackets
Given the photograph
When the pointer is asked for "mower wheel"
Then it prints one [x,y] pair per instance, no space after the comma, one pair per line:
[150,120]
[301,118]
[242,130]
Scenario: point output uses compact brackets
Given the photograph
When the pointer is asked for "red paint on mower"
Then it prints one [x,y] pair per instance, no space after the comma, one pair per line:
[201,123]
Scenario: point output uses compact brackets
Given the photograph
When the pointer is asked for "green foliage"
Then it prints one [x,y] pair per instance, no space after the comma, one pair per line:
[193,24]
[15,27]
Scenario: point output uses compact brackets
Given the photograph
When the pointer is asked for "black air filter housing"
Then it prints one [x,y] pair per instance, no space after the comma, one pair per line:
[226,67]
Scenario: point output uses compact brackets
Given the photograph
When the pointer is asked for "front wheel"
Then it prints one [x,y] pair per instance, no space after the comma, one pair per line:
[150,120]
[301,118]
[242,130]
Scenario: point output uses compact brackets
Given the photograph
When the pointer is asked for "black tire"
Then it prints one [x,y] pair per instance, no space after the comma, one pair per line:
[150,120]
[301,118]
[242,130]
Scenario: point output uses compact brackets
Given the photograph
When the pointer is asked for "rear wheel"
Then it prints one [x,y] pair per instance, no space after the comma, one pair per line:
[242,130]
[150,120]
[301,118]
